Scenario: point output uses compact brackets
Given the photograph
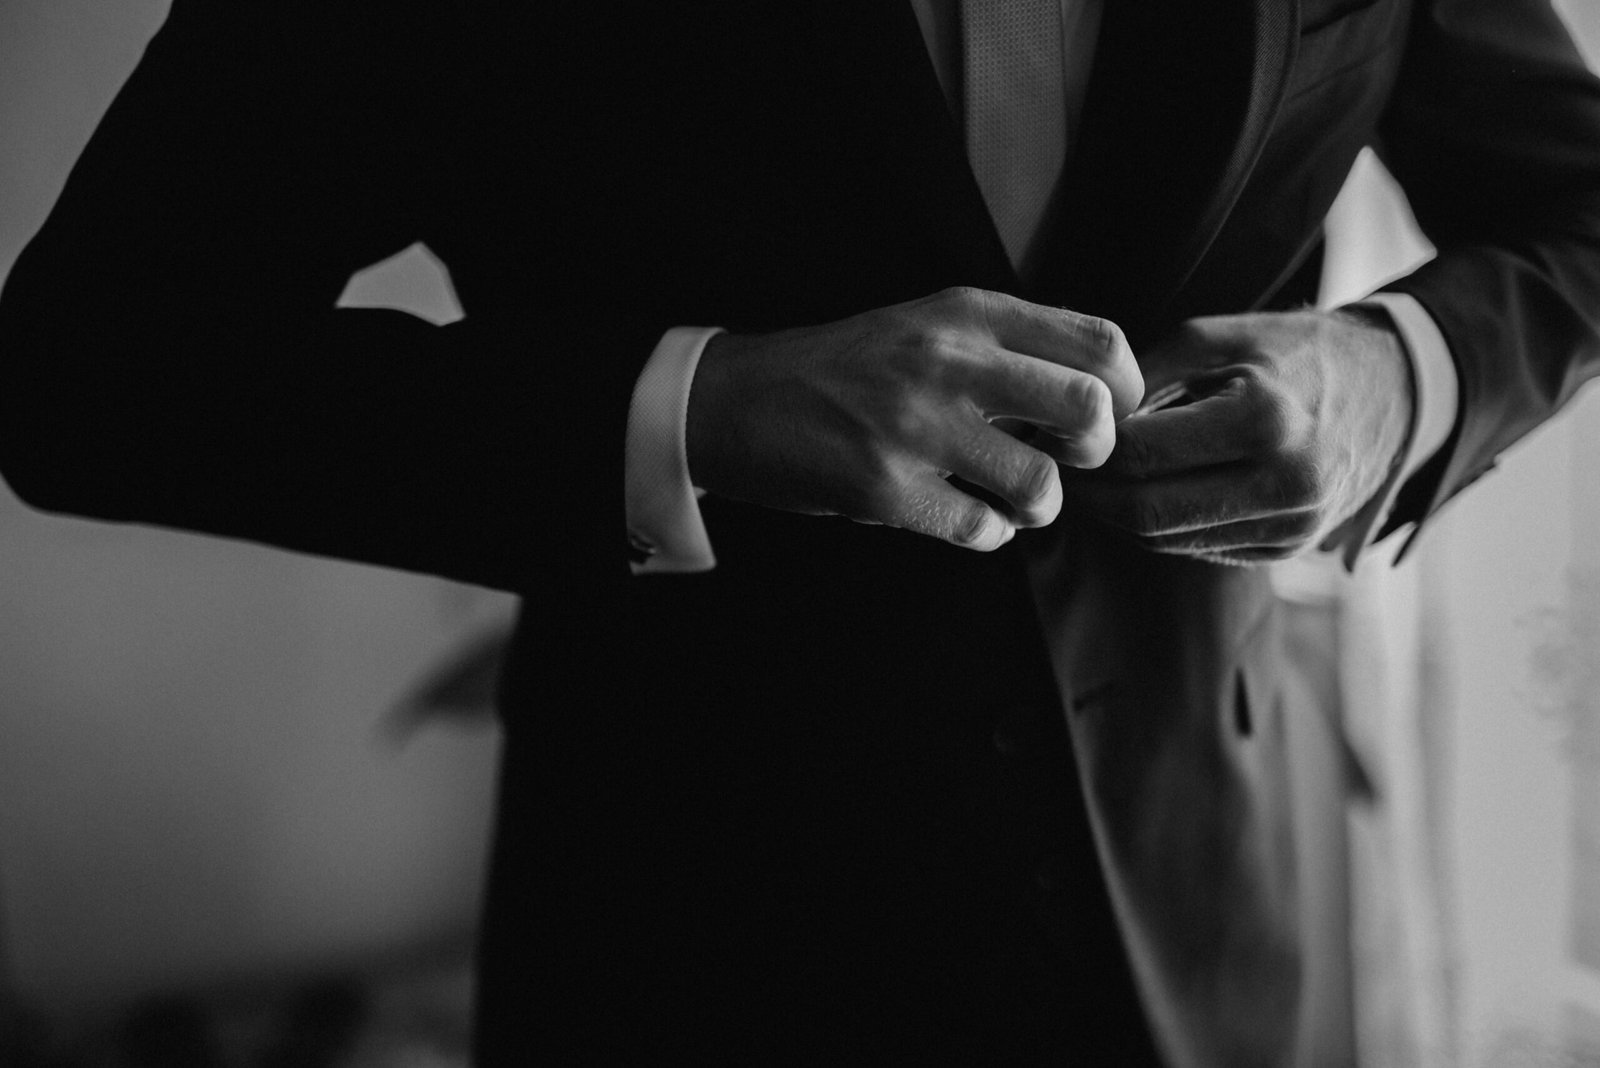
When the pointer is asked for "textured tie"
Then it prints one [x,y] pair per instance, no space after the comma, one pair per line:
[1015,112]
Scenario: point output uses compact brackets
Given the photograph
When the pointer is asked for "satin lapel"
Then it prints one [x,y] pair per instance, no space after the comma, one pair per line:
[1179,105]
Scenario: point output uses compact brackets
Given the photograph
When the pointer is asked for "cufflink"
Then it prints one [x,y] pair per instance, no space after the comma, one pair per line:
[640,549]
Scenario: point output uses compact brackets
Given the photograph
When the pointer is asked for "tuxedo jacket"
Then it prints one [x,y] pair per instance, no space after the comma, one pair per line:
[853,794]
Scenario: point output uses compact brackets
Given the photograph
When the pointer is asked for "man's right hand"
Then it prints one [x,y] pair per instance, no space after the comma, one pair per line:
[870,416]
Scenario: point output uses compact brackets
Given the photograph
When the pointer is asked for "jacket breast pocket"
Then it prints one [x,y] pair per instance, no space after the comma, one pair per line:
[1338,36]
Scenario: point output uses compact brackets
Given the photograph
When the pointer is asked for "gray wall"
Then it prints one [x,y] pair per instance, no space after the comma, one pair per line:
[195,776]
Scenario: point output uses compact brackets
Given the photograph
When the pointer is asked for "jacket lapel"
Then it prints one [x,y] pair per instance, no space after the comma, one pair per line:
[1179,105]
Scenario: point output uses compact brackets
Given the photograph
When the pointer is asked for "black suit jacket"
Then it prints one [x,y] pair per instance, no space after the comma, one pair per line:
[827,801]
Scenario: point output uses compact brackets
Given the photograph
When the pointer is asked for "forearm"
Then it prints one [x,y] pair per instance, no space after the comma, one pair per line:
[1522,348]
[170,351]
[1494,133]
[368,435]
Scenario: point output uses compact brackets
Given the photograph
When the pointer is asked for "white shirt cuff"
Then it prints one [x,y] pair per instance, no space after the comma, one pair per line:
[1436,396]
[1433,373]
[663,508]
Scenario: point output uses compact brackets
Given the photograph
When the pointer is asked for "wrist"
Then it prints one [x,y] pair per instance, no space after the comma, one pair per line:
[1390,365]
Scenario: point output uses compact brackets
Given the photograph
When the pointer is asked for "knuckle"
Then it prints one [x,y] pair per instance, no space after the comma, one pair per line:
[963,298]
[1036,480]
[1080,430]
[1095,398]
[1035,495]
[937,353]
[1086,400]
[968,524]
[892,420]
[907,423]
[939,341]
[1104,339]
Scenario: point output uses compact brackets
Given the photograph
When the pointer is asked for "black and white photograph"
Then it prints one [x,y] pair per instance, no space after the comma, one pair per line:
[887,532]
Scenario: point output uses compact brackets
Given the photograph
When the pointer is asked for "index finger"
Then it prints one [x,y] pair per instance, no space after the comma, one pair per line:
[1070,339]
[1074,407]
[1216,429]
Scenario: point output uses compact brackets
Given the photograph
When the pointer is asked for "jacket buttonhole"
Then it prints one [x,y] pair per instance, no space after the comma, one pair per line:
[1241,706]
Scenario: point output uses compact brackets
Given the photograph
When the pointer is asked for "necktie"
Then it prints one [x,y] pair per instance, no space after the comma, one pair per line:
[1015,93]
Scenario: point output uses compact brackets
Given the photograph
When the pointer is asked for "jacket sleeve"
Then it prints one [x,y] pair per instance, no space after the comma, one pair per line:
[170,351]
[1494,133]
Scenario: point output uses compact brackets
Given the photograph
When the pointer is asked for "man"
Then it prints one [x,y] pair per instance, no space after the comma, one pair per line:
[825,801]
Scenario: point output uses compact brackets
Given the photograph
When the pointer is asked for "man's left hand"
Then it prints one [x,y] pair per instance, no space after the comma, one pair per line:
[1287,427]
